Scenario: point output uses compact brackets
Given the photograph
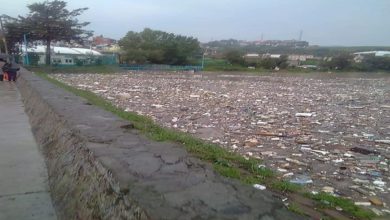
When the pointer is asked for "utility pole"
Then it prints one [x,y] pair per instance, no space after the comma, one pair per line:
[3,35]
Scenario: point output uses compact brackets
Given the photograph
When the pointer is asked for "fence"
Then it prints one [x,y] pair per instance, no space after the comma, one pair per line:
[157,67]
[34,59]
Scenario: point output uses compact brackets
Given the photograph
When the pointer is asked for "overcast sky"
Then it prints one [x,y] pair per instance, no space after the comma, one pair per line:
[323,22]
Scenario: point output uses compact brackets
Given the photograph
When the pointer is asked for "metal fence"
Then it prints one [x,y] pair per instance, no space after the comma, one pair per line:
[158,67]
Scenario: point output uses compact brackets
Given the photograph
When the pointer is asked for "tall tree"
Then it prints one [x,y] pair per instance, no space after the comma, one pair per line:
[50,20]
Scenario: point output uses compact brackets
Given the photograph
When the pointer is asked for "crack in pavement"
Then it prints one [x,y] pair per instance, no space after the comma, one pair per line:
[24,193]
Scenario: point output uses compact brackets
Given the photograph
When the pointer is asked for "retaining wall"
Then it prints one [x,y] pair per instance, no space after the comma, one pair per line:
[101,168]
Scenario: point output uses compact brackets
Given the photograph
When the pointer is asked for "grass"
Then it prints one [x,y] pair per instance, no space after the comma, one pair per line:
[295,208]
[348,206]
[285,186]
[228,164]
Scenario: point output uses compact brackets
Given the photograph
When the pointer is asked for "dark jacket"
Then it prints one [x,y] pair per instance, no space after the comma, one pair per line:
[10,68]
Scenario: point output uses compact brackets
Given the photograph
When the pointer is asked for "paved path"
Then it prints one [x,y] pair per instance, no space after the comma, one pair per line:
[23,176]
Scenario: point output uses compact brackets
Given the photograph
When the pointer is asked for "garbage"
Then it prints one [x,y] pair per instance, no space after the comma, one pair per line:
[338,160]
[251,143]
[288,174]
[376,211]
[296,161]
[260,187]
[376,201]
[382,141]
[379,183]
[302,180]
[328,189]
[362,150]
[303,114]
[335,130]
[361,181]
[157,106]
[363,203]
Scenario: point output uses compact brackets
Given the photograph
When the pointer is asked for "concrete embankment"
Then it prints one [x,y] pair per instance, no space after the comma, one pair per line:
[101,168]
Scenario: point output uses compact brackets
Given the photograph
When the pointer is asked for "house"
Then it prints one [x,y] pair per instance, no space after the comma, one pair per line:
[100,40]
[65,55]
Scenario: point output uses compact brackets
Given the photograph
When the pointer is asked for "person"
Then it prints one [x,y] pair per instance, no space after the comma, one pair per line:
[11,69]
[2,63]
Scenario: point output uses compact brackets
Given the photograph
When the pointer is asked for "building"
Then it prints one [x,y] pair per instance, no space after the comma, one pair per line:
[283,43]
[377,53]
[359,56]
[100,40]
[64,55]
[299,57]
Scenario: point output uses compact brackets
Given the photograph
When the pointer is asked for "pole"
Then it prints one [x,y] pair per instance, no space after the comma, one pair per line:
[25,44]
[203,61]
[4,40]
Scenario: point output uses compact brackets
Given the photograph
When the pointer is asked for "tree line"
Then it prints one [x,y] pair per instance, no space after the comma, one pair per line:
[158,47]
[341,61]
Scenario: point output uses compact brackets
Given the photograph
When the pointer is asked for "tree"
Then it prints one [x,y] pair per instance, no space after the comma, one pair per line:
[374,63]
[13,32]
[50,20]
[152,46]
[339,62]
[272,63]
[234,57]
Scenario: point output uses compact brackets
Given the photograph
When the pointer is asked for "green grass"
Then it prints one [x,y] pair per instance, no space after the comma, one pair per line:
[348,206]
[295,208]
[285,186]
[226,163]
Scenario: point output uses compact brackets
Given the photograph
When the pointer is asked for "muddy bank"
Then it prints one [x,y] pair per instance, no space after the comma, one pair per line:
[100,168]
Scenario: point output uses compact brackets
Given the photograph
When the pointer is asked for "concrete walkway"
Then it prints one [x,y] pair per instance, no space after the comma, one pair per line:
[23,176]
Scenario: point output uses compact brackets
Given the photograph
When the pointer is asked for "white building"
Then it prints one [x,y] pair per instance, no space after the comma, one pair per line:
[65,55]
[359,56]
[299,57]
[377,53]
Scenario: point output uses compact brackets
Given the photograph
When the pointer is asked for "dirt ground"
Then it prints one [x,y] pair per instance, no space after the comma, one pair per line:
[327,132]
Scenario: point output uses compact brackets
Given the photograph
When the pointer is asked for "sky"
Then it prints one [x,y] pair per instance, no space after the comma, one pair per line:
[323,22]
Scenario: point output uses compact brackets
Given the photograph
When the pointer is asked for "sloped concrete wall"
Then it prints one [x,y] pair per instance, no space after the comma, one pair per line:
[101,168]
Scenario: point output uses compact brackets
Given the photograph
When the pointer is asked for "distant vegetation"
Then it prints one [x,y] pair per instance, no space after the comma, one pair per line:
[229,55]
[158,47]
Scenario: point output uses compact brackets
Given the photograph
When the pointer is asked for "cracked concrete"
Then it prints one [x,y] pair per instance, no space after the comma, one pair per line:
[100,168]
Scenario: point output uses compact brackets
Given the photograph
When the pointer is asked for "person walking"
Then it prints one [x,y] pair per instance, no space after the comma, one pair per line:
[11,69]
